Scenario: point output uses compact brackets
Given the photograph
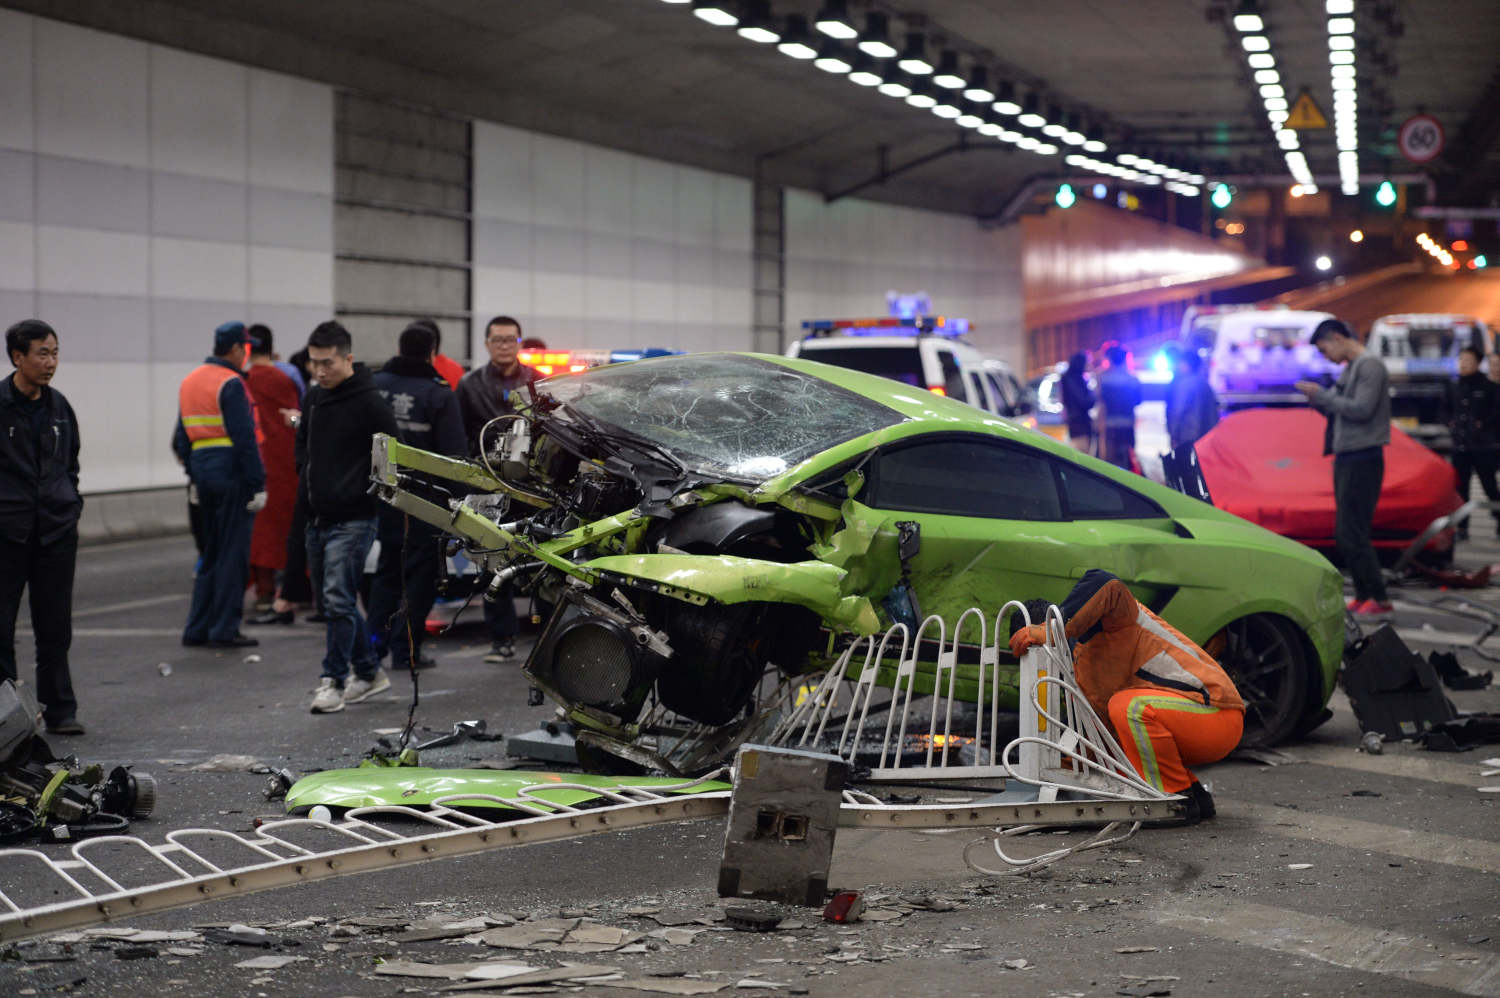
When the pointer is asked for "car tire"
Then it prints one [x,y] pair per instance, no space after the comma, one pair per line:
[1268,661]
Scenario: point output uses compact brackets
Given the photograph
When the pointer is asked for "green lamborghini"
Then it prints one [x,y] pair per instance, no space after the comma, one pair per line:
[696,523]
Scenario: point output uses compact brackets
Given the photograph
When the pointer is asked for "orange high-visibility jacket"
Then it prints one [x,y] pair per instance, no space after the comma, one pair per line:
[202,413]
[1135,648]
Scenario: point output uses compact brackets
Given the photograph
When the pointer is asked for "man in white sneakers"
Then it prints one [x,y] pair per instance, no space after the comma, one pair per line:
[339,419]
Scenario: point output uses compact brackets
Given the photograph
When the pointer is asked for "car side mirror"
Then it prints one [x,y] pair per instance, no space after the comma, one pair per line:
[908,540]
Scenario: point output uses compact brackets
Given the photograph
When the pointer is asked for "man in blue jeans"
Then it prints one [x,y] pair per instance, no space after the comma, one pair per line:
[340,416]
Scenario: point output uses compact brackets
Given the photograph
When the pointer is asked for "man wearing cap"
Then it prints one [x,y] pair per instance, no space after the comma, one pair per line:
[216,441]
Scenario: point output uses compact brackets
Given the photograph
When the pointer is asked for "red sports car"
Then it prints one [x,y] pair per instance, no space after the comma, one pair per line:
[1267,466]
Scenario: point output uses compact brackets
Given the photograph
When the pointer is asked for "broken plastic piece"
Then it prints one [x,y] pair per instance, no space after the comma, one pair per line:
[846,906]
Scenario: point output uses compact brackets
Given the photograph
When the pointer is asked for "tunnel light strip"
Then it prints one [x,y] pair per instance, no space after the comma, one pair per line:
[1260,57]
[1343,79]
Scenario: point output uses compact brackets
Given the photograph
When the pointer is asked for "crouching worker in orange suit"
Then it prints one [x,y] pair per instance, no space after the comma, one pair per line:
[1169,703]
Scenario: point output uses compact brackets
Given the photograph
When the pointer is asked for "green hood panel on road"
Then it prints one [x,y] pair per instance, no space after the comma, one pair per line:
[415,786]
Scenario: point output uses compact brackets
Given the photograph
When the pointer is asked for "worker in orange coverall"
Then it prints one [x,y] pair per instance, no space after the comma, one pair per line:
[1170,704]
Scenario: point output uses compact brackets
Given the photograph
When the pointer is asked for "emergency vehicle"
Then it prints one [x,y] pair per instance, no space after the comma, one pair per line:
[1421,353]
[1256,355]
[924,351]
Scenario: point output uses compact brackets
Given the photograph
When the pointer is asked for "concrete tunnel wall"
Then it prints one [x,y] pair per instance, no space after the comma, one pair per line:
[147,194]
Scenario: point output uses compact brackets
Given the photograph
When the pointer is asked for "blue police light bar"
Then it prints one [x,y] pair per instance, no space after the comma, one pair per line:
[928,325]
[622,356]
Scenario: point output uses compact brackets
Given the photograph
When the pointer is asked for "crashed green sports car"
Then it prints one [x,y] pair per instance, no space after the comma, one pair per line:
[697,523]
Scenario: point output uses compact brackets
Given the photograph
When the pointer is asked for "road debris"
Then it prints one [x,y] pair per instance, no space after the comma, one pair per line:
[268,962]
[1299,866]
[229,763]
[845,906]
[668,985]
[783,814]
[1136,949]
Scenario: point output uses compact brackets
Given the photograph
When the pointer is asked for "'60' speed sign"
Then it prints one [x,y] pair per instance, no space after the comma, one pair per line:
[1421,138]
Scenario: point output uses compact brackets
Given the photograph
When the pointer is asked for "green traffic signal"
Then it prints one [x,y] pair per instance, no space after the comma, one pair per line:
[1065,197]
[1221,197]
[1385,194]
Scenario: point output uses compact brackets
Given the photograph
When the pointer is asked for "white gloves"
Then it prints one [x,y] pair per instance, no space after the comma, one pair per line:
[192,494]
[257,502]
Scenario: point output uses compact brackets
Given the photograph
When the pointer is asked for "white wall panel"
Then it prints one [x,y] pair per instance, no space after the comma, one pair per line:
[17,256]
[607,191]
[195,270]
[653,201]
[136,164]
[290,132]
[198,121]
[89,261]
[557,178]
[291,276]
[17,127]
[502,172]
[90,94]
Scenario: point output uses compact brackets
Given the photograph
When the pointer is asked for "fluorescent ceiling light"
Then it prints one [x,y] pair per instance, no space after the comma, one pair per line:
[1006,107]
[1027,142]
[1267,76]
[978,88]
[967,120]
[1340,6]
[1276,118]
[715,12]
[876,40]
[947,112]
[1128,158]
[1094,145]
[1014,138]
[796,40]
[1073,138]
[914,58]
[1045,149]
[1275,103]
[1272,90]
[947,75]
[1341,43]
[834,21]
[895,85]
[1052,129]
[1248,23]
[756,33]
[1261,60]
[832,58]
[1256,43]
[992,130]
[1341,25]
[1342,83]
[920,98]
[1341,58]
[862,71]
[1073,159]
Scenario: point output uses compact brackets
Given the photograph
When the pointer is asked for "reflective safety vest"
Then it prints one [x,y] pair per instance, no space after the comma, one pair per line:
[198,402]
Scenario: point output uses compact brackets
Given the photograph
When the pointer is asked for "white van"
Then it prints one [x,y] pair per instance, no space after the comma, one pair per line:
[1259,355]
[1421,353]
[933,362]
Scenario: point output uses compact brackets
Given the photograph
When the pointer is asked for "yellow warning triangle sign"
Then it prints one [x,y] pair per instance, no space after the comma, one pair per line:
[1305,114]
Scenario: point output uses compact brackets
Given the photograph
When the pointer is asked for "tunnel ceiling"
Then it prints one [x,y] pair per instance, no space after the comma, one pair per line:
[1156,76]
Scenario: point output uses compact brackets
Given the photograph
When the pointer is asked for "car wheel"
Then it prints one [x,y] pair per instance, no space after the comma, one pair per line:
[1265,657]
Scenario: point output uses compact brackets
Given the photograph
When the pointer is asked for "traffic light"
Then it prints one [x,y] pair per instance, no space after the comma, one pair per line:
[1065,196]
[1385,194]
[1221,196]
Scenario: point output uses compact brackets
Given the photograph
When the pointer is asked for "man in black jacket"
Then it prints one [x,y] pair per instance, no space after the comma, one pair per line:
[339,419]
[1474,405]
[427,416]
[485,393]
[39,508]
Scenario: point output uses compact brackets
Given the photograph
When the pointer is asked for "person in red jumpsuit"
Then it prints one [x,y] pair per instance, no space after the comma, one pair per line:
[1168,702]
[272,392]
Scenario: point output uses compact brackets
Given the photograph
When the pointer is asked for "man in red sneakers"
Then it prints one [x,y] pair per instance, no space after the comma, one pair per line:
[1358,407]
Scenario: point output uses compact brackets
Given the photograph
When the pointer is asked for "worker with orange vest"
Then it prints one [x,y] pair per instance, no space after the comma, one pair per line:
[216,442]
[1170,704]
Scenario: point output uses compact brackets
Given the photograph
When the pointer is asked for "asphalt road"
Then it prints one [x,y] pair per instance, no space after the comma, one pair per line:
[1340,874]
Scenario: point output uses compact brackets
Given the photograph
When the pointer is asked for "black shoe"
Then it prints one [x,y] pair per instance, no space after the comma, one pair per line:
[273,617]
[238,641]
[67,726]
[1200,803]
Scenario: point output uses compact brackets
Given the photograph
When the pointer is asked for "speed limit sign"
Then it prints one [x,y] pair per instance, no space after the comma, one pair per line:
[1421,138]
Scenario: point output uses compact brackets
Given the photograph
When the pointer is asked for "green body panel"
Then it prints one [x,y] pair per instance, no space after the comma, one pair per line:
[413,786]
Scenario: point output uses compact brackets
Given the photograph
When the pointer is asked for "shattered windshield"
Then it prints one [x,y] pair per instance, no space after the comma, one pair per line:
[723,414]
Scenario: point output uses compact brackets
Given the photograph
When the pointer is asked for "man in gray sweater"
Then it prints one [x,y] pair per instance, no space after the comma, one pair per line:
[1358,408]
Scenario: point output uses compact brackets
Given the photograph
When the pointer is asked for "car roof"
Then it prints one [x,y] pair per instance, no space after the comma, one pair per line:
[1427,319]
[1271,317]
[813,344]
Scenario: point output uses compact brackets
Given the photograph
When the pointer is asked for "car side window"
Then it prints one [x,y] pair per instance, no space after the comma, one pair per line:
[965,477]
[1088,496]
[953,379]
[976,392]
[1006,399]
